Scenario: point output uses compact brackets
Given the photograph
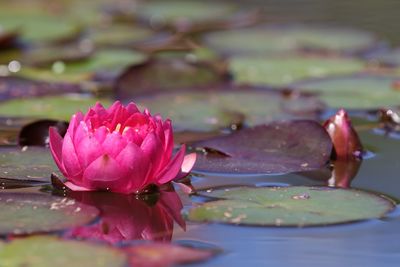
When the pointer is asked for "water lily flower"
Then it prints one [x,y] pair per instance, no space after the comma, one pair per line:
[345,139]
[119,149]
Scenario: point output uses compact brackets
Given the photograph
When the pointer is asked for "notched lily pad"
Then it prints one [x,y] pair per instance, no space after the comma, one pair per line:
[219,109]
[47,251]
[161,254]
[270,39]
[290,206]
[26,164]
[28,213]
[50,107]
[281,71]
[355,91]
[168,74]
[15,87]
[276,148]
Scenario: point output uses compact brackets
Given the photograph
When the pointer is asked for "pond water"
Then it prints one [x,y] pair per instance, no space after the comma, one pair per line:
[368,243]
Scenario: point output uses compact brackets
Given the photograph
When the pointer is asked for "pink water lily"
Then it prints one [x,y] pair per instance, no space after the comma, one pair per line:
[119,149]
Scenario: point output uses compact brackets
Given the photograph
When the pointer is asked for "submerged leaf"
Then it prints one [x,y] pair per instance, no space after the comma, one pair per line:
[297,206]
[47,251]
[279,147]
[28,213]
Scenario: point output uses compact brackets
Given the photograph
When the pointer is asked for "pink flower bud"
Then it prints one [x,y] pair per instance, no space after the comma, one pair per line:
[345,139]
[118,149]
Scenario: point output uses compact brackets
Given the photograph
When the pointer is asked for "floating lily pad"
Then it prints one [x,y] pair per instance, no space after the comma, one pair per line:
[28,213]
[386,57]
[50,107]
[167,75]
[183,11]
[119,35]
[15,87]
[29,163]
[160,254]
[355,92]
[46,251]
[279,147]
[272,39]
[37,26]
[104,61]
[291,206]
[217,109]
[281,71]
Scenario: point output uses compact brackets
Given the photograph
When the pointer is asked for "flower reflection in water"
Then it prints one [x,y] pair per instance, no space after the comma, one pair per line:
[130,217]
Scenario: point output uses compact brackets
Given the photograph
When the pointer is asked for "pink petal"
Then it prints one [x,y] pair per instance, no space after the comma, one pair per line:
[153,149]
[172,169]
[56,143]
[187,165]
[88,150]
[113,144]
[105,174]
[74,123]
[69,158]
[75,187]
[132,108]
[138,164]
[101,133]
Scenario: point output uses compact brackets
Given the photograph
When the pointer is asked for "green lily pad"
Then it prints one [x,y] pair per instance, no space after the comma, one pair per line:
[26,164]
[270,39]
[354,92]
[189,11]
[290,206]
[281,71]
[47,251]
[217,109]
[28,213]
[108,61]
[167,74]
[119,35]
[35,25]
[50,107]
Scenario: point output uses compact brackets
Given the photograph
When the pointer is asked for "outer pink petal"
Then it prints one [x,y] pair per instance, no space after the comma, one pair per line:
[74,123]
[138,164]
[187,165]
[69,158]
[88,150]
[153,148]
[132,108]
[105,174]
[75,187]
[113,144]
[172,169]
[56,143]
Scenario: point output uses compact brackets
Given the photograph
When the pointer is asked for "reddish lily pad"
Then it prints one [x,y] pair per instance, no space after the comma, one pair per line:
[276,148]
[270,39]
[26,164]
[355,91]
[14,87]
[165,255]
[48,251]
[28,213]
[218,109]
[37,133]
[296,206]
[167,74]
